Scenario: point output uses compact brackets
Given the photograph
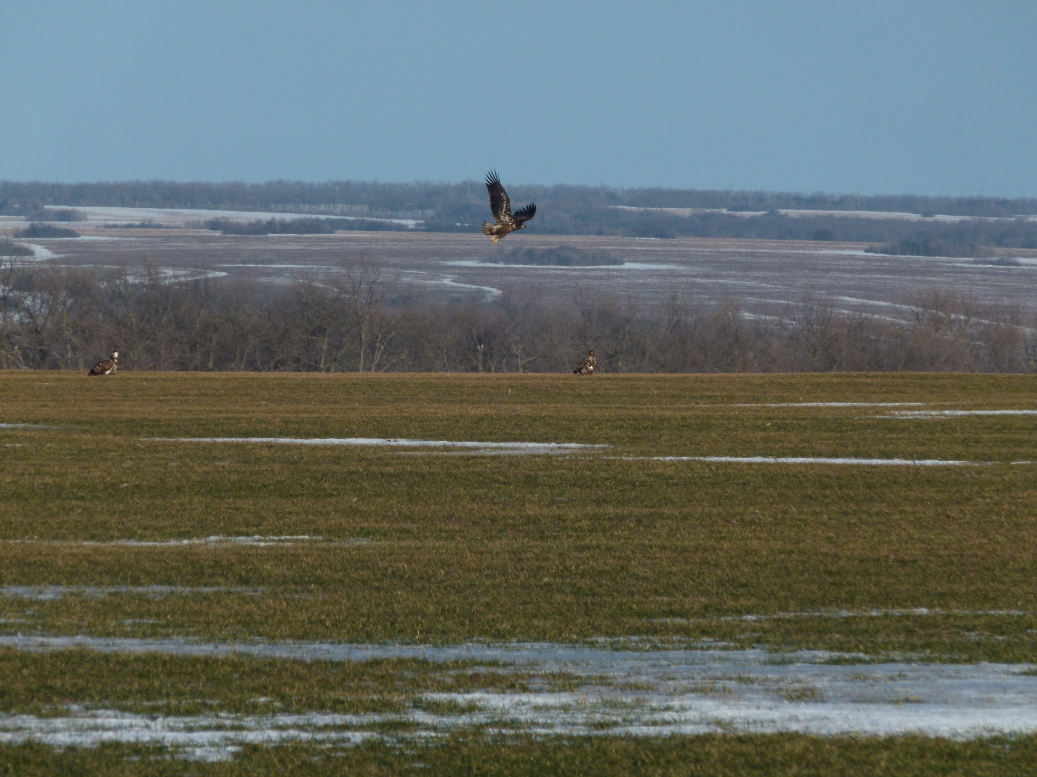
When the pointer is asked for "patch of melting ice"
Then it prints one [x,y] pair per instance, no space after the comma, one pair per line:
[813,460]
[482,448]
[624,693]
[51,593]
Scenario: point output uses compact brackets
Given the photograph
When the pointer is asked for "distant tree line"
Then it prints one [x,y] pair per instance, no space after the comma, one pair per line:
[569,210]
[37,230]
[560,256]
[361,319]
[376,198]
[301,226]
[963,235]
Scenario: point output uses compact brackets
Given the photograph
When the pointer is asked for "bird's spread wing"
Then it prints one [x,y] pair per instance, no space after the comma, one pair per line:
[524,215]
[500,205]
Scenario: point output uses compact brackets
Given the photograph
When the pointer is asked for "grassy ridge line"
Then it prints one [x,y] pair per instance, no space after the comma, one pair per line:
[524,547]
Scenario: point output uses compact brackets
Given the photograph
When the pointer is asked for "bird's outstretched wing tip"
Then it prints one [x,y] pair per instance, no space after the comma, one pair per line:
[526,213]
[492,178]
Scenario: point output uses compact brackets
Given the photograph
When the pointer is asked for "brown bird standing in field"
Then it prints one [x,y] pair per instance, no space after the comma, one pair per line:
[500,206]
[587,365]
[106,367]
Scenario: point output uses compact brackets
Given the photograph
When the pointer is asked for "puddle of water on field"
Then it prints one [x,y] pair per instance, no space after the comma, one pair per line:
[26,426]
[625,693]
[529,448]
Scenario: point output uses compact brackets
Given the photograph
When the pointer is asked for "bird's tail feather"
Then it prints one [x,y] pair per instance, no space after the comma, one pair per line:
[487,228]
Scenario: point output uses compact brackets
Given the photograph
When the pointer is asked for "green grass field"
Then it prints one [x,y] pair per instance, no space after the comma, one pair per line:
[418,546]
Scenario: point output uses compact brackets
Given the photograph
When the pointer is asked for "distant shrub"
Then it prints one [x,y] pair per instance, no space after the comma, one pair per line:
[562,256]
[139,225]
[8,248]
[45,230]
[54,214]
[925,246]
[271,227]
[823,234]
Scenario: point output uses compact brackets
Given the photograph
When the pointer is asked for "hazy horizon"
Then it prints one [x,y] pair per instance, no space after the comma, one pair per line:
[932,99]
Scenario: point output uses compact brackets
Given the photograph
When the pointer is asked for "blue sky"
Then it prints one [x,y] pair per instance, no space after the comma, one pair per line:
[899,97]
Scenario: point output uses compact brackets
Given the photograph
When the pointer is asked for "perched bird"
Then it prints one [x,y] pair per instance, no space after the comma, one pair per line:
[500,206]
[587,365]
[106,367]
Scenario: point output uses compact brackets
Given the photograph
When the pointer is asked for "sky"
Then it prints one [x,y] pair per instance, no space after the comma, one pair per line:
[936,98]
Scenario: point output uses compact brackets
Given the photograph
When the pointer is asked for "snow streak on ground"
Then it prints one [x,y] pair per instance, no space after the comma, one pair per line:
[913,612]
[51,593]
[256,540]
[816,460]
[626,692]
[531,448]
[935,414]
[39,253]
[831,404]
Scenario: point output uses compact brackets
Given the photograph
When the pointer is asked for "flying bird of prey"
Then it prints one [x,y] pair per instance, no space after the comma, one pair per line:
[500,206]
[587,365]
[107,366]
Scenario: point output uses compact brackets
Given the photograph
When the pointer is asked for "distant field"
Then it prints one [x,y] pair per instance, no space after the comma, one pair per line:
[113,524]
[763,277]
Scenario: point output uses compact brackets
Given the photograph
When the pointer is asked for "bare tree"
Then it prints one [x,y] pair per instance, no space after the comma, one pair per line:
[366,285]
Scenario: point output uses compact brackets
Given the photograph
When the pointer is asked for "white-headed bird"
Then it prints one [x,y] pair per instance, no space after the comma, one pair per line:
[107,366]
